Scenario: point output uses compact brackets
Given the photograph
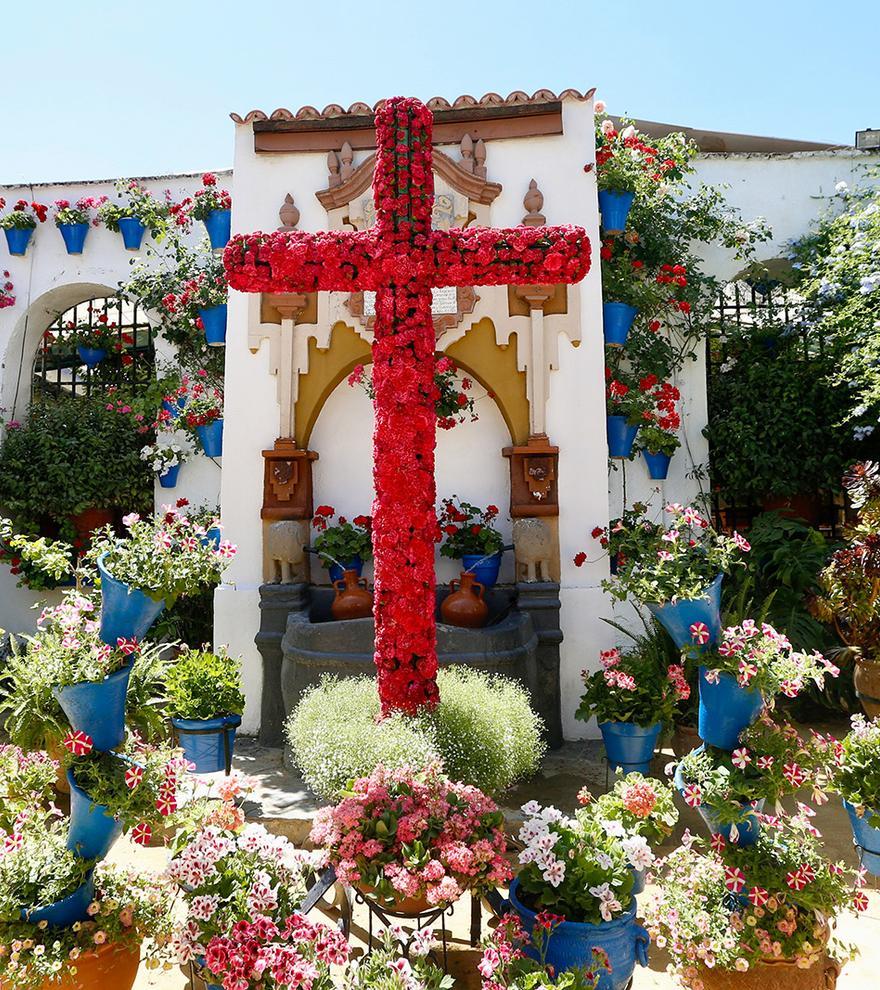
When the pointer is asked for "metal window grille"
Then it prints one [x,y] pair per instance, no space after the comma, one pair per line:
[58,368]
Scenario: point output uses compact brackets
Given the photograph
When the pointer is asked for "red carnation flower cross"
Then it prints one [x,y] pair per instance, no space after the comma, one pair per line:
[401,258]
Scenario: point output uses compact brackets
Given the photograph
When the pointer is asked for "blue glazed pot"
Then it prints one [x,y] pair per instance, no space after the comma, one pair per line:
[211,438]
[91,357]
[203,747]
[74,235]
[126,613]
[218,223]
[486,572]
[212,535]
[749,826]
[617,319]
[168,478]
[726,709]
[572,943]
[200,962]
[355,564]
[621,436]
[214,322]
[629,747]
[17,239]
[678,617]
[97,709]
[67,911]
[658,465]
[175,408]
[132,231]
[614,208]
[92,831]
[867,837]
[638,879]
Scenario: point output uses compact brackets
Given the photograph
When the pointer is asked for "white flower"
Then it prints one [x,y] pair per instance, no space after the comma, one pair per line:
[555,873]
[531,808]
[604,861]
[841,188]
[638,852]
[614,829]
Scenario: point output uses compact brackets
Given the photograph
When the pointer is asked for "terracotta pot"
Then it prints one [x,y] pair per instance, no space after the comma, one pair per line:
[109,966]
[90,519]
[465,607]
[684,739]
[407,907]
[866,678]
[774,974]
[352,600]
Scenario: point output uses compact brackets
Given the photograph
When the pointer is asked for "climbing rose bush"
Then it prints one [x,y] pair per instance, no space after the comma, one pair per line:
[406,834]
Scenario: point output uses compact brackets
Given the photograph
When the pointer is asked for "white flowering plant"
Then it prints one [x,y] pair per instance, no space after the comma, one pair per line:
[857,775]
[161,457]
[576,867]
[388,967]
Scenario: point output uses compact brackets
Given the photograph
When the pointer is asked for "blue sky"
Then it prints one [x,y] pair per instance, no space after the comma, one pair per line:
[97,89]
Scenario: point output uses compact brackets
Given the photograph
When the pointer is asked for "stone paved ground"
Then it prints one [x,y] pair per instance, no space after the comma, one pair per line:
[284,803]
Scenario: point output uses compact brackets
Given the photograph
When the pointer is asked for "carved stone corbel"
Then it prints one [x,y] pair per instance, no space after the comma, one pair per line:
[287,481]
[533,467]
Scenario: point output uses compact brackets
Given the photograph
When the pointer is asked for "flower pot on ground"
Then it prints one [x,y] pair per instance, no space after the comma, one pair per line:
[684,738]
[87,521]
[464,605]
[205,702]
[214,323]
[629,747]
[470,536]
[19,223]
[617,318]
[614,207]
[866,677]
[343,546]
[353,599]
[213,206]
[857,780]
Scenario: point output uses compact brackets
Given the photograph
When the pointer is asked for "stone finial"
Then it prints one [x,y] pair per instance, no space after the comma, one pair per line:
[346,157]
[480,159]
[467,153]
[533,201]
[289,214]
[333,170]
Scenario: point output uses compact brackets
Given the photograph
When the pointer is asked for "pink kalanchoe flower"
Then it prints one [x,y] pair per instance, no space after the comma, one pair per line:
[700,633]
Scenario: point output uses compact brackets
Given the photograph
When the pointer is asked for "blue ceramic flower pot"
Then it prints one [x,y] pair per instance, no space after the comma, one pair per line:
[726,709]
[74,236]
[629,747]
[212,535]
[571,944]
[487,571]
[638,880]
[92,831]
[218,223]
[126,613]
[614,208]
[748,828]
[17,239]
[176,407]
[617,319]
[211,438]
[67,911]
[200,962]
[202,740]
[658,465]
[621,436]
[214,322]
[678,617]
[132,231]
[91,357]
[355,564]
[867,837]
[168,478]
[98,709]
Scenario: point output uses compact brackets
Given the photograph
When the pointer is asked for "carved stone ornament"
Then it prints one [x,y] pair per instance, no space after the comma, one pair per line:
[288,214]
[466,300]
[287,481]
[533,490]
[533,201]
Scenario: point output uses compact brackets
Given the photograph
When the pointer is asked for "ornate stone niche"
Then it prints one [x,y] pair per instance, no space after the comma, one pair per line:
[287,481]
[533,467]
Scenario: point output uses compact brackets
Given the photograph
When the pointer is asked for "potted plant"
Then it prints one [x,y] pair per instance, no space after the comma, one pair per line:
[514,960]
[397,965]
[103,949]
[578,871]
[412,839]
[19,223]
[633,697]
[165,460]
[203,417]
[137,212]
[749,666]
[205,520]
[161,559]
[41,880]
[755,916]
[7,299]
[205,702]
[26,784]
[93,340]
[345,546]
[74,219]
[471,537]
[213,207]
[676,572]
[857,780]
[132,789]
[643,807]
[627,400]
[658,436]
[730,789]
[38,562]
[199,293]
[629,288]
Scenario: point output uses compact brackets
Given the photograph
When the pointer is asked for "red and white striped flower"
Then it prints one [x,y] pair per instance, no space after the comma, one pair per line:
[693,795]
[13,841]
[700,633]
[794,774]
[166,803]
[141,834]
[128,646]
[796,880]
[718,842]
[741,758]
[133,776]
[734,878]
[712,676]
[759,896]
[860,901]
[764,762]
[746,672]
[78,743]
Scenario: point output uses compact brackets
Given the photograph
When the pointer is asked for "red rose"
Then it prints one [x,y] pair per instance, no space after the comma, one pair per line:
[580,559]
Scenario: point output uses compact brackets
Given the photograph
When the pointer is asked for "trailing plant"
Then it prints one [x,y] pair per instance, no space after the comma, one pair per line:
[7,299]
[39,563]
[628,395]
[27,779]
[204,405]
[23,215]
[341,543]
[138,203]
[468,529]
[857,775]
[163,457]
[100,334]
[483,729]
[642,805]
[201,684]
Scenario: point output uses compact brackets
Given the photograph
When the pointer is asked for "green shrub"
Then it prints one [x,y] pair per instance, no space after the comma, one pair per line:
[484,730]
[201,684]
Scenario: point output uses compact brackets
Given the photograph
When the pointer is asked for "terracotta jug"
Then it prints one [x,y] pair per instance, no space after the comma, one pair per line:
[465,607]
[352,600]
